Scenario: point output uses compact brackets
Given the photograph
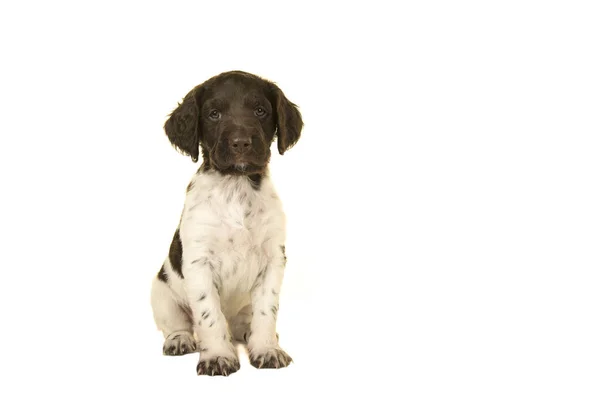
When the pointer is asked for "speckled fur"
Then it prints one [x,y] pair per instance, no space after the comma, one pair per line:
[233,262]
[222,278]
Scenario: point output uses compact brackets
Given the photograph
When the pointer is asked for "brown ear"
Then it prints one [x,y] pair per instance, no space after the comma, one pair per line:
[288,119]
[182,127]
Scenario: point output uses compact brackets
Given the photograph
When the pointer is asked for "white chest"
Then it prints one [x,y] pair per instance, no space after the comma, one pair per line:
[237,227]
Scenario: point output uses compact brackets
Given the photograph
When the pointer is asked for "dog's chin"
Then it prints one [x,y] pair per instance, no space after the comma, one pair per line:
[239,167]
[245,168]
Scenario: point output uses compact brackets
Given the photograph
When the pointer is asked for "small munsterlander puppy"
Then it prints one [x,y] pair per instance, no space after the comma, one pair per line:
[222,277]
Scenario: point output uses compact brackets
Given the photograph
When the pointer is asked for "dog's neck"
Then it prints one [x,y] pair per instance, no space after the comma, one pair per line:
[255,179]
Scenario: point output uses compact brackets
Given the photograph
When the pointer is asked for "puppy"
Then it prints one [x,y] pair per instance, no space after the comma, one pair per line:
[222,277]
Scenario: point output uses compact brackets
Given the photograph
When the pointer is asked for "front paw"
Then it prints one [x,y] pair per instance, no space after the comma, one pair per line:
[270,358]
[178,344]
[218,365]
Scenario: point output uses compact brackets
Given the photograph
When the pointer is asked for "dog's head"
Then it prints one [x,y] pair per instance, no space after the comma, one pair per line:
[234,117]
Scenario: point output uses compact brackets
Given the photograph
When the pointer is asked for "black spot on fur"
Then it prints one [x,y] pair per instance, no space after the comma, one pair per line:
[263,313]
[255,181]
[274,292]
[202,297]
[205,314]
[282,247]
[162,275]
[211,251]
[230,240]
[175,254]
[211,324]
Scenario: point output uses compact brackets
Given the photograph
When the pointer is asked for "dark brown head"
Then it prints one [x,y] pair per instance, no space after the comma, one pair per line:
[234,117]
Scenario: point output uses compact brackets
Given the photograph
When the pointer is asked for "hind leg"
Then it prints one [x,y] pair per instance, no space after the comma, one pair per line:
[172,320]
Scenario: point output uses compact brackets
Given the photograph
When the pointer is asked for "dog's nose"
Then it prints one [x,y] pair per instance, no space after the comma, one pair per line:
[240,145]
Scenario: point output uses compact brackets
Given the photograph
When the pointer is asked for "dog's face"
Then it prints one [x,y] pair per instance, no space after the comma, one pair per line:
[237,123]
[234,117]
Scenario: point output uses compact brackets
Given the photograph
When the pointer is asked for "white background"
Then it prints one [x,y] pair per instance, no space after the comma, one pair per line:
[443,202]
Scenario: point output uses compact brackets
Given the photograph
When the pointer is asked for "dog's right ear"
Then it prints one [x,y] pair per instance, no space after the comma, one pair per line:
[183,128]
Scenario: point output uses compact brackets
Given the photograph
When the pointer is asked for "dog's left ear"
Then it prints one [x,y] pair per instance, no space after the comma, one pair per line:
[288,120]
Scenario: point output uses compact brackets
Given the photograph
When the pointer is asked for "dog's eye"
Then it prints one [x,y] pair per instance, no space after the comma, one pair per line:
[215,115]
[260,112]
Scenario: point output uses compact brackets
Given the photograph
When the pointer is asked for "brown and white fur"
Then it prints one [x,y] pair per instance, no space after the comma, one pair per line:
[222,278]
